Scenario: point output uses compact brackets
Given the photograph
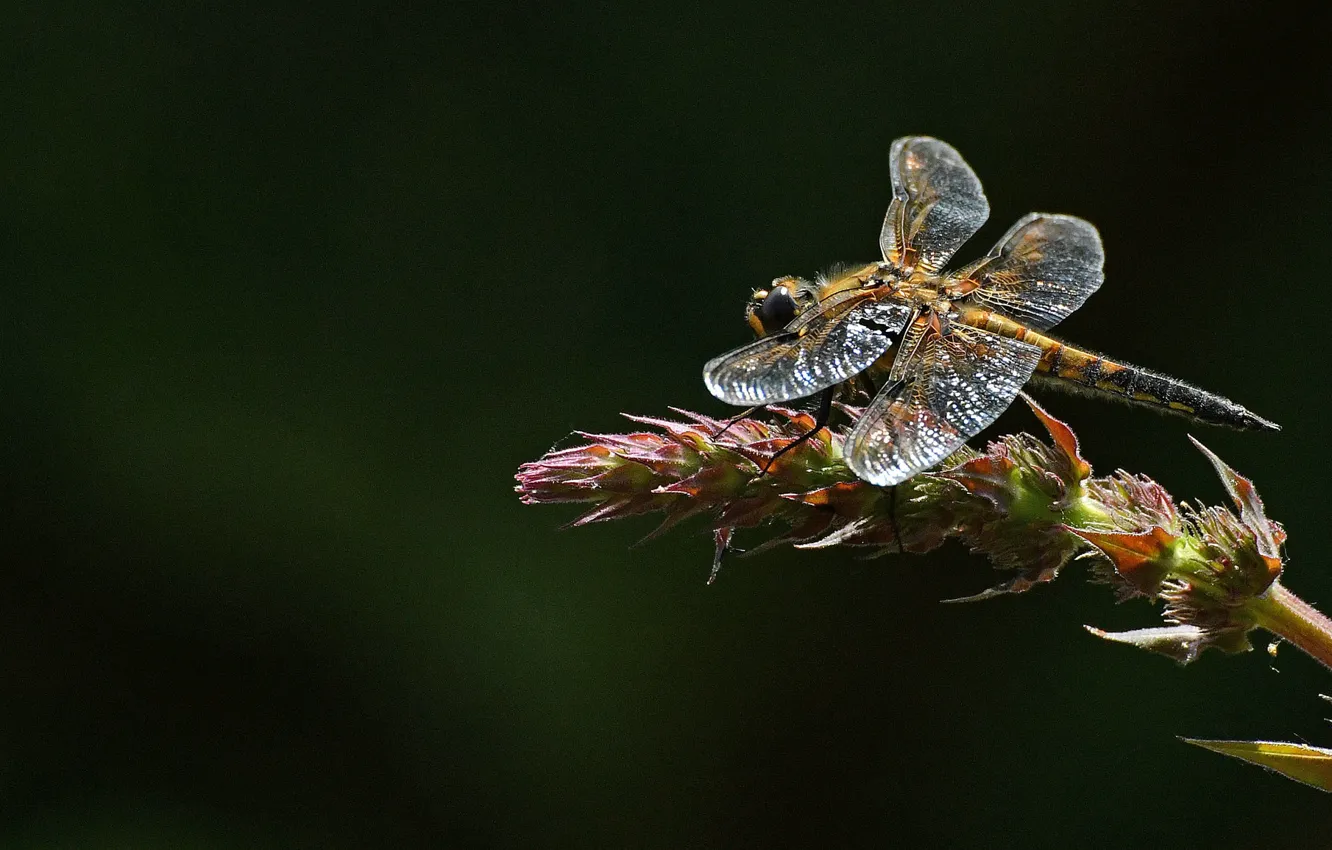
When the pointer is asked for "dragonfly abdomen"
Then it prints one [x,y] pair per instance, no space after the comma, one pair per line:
[1076,369]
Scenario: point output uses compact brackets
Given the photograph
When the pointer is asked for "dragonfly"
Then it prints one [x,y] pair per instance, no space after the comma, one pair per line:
[940,353]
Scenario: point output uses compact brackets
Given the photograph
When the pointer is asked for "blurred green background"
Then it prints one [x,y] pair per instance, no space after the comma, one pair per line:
[290,290]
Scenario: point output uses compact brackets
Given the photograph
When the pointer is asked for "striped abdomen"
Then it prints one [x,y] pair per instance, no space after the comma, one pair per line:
[1075,368]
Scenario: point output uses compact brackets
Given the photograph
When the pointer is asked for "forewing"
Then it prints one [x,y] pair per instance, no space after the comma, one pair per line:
[1043,269]
[814,353]
[937,204]
[957,384]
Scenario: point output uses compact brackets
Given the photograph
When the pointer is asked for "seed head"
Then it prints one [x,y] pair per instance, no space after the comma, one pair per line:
[1030,505]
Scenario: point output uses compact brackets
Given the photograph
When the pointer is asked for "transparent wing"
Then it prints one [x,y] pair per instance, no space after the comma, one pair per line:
[819,350]
[937,204]
[958,383]
[906,349]
[1041,271]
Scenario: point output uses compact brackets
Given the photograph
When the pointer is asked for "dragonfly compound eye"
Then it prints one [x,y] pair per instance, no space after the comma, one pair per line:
[777,310]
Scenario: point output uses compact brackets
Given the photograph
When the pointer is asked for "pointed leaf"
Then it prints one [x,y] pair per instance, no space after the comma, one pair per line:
[1020,583]
[721,537]
[1182,643]
[1139,558]
[846,498]
[1247,501]
[990,478]
[1309,765]
[1064,438]
[681,431]
[838,536]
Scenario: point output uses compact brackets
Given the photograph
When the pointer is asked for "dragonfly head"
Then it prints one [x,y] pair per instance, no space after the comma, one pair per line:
[769,310]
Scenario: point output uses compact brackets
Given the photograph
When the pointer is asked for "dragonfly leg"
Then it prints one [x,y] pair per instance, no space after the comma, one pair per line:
[870,386]
[820,422]
[744,414]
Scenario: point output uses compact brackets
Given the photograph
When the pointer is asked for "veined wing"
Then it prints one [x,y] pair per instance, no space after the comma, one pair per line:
[1043,269]
[958,383]
[828,345]
[937,204]
[912,338]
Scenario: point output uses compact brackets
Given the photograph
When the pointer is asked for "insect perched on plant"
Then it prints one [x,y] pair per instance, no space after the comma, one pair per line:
[940,353]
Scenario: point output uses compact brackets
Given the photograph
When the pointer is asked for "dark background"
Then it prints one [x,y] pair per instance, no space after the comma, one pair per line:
[290,292]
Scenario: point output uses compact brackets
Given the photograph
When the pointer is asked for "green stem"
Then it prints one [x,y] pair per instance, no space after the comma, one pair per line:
[1291,618]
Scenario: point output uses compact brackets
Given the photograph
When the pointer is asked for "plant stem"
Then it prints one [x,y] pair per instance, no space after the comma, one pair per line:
[1291,618]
